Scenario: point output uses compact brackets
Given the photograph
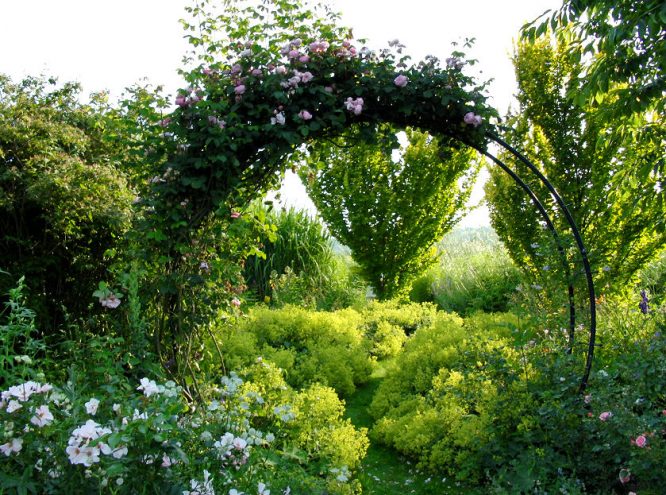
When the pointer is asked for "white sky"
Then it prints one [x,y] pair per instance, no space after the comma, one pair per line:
[112,44]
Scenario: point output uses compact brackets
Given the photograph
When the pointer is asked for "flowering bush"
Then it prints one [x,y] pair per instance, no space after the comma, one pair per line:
[148,441]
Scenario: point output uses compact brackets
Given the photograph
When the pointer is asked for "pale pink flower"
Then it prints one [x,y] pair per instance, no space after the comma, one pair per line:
[240,89]
[148,387]
[91,406]
[13,446]
[181,101]
[207,71]
[354,105]
[236,302]
[305,115]
[13,405]
[42,416]
[256,72]
[164,122]
[278,119]
[111,301]
[235,214]
[401,81]
[294,54]
[641,441]
[304,59]
[281,69]
[236,69]
[604,416]
[306,77]
[472,119]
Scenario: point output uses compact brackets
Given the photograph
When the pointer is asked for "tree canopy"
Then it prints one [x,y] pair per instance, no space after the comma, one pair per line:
[621,223]
[389,211]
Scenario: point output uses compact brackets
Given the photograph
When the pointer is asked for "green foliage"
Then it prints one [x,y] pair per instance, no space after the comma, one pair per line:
[387,324]
[474,273]
[619,222]
[327,348]
[388,211]
[19,347]
[63,202]
[296,242]
[493,400]
[626,41]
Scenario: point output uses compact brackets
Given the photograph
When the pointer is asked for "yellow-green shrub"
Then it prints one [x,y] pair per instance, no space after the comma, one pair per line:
[438,402]
[312,347]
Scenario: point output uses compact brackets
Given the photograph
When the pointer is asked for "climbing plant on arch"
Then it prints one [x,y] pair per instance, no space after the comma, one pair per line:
[283,75]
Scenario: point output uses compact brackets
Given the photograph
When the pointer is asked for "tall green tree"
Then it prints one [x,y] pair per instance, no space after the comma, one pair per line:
[389,211]
[619,222]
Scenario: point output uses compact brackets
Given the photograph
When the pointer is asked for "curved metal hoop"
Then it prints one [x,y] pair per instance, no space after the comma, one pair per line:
[553,230]
[575,232]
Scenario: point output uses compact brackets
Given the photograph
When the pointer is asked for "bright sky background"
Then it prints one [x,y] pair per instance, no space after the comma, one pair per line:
[111,44]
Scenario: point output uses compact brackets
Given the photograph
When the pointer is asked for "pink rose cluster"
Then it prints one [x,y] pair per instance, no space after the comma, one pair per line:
[354,105]
[471,118]
[214,121]
[190,97]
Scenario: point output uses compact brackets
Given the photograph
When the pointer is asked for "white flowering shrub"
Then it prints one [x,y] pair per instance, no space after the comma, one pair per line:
[251,439]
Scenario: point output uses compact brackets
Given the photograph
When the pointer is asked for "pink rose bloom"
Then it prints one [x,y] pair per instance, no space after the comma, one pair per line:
[472,119]
[605,415]
[256,72]
[181,101]
[305,115]
[236,68]
[236,302]
[240,89]
[235,214]
[207,71]
[294,54]
[281,69]
[164,122]
[641,441]
[304,58]
[346,43]
[401,81]
[306,77]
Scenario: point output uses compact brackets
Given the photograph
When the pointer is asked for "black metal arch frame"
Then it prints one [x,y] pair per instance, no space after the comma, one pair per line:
[574,231]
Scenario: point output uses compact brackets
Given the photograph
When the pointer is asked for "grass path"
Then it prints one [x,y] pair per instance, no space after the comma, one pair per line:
[384,471]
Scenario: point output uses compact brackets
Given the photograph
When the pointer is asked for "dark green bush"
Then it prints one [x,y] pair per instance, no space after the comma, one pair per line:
[63,202]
